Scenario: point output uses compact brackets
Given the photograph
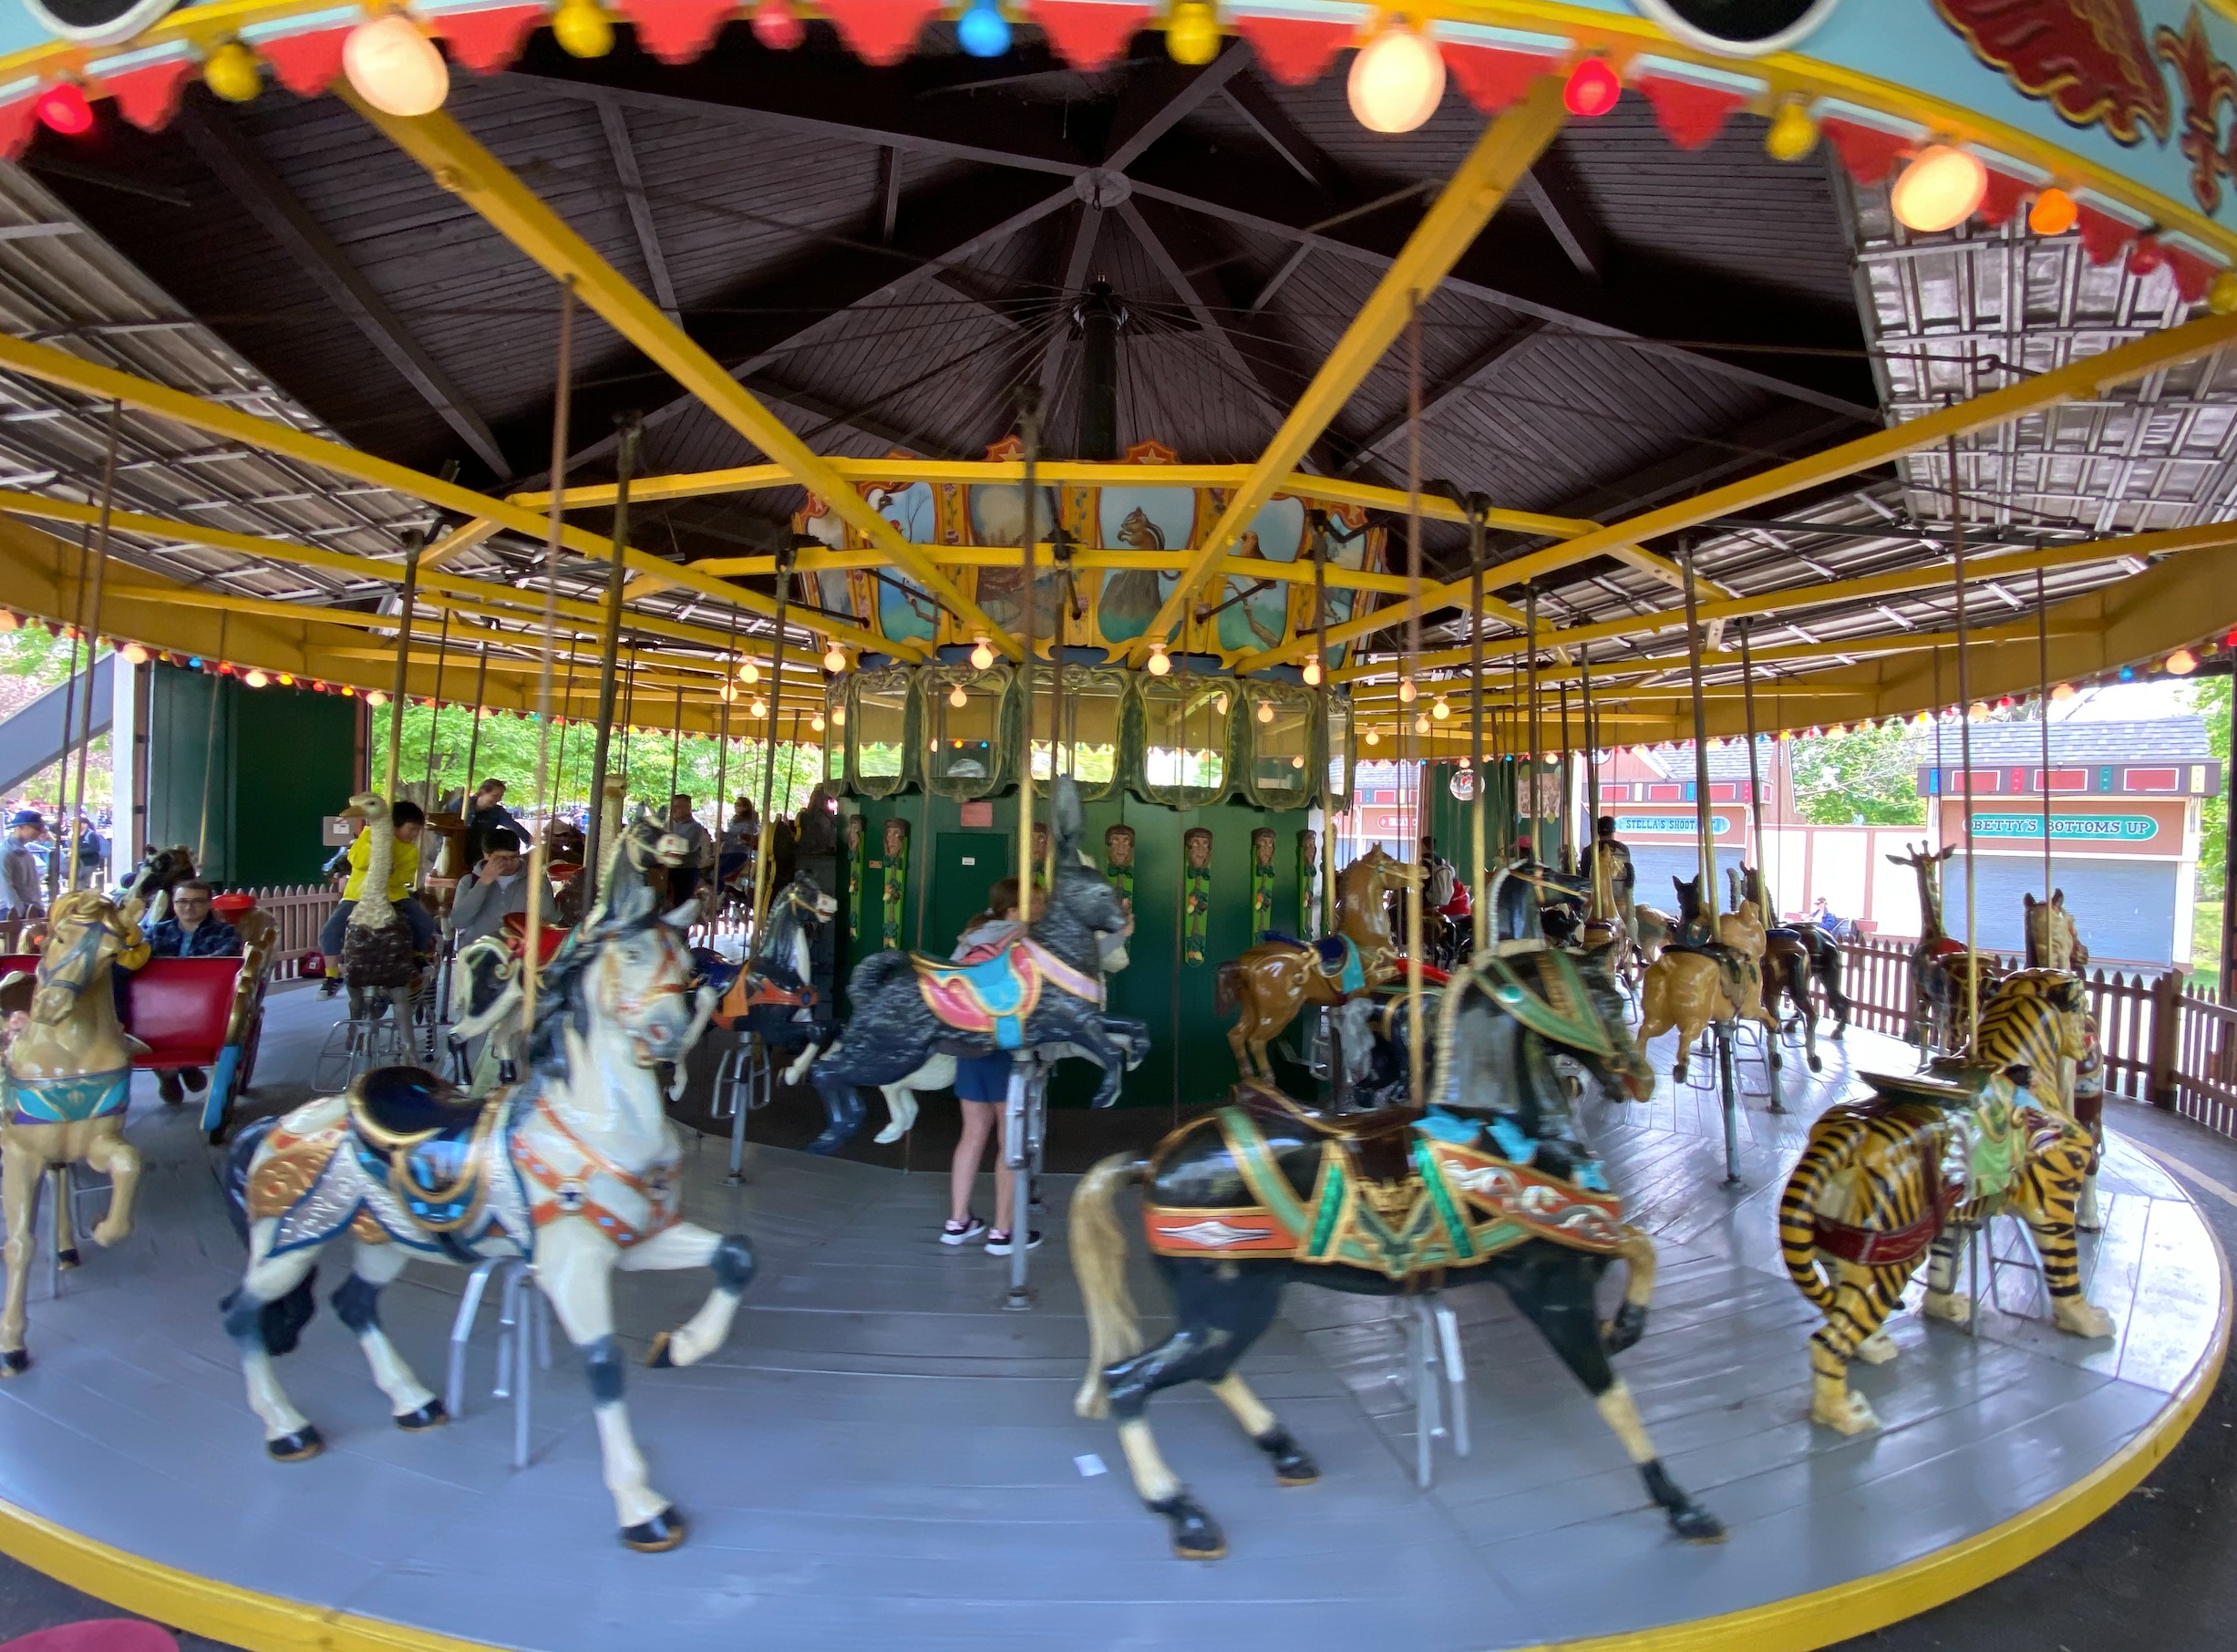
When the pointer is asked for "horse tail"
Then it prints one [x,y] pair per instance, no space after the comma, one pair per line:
[1227,987]
[874,971]
[239,1159]
[1100,1261]
[1827,1152]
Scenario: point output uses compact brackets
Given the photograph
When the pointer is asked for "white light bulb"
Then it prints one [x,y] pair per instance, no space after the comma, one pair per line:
[1939,189]
[1219,704]
[1374,738]
[749,673]
[1159,663]
[957,698]
[1396,80]
[1265,711]
[761,708]
[815,722]
[394,67]
[839,717]
[1421,725]
[982,656]
[1312,673]
[1441,711]
[1407,691]
[835,658]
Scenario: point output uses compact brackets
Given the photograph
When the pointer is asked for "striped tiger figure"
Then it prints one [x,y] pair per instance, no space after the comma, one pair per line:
[2039,1020]
[1870,1197]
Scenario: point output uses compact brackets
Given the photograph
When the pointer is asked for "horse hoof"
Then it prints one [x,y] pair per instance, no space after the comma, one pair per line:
[299,1447]
[1816,1065]
[430,1416]
[657,1536]
[1194,1535]
[1697,1524]
[658,1356]
[1292,1467]
[14,1362]
[1624,1330]
[69,1258]
[825,1145]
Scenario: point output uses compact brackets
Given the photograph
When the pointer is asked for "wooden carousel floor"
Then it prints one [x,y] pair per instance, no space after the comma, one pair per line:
[881,1455]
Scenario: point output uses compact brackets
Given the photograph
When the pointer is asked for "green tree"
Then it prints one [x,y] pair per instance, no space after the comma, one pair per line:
[32,661]
[1869,775]
[2209,700]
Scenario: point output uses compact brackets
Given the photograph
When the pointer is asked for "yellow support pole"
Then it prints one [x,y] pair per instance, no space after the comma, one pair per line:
[467,170]
[1501,157]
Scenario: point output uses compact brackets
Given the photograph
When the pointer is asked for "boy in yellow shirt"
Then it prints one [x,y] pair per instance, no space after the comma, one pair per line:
[403,873]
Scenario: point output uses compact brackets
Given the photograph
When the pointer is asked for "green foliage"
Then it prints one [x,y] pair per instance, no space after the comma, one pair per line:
[505,749]
[1869,775]
[2209,700]
[32,661]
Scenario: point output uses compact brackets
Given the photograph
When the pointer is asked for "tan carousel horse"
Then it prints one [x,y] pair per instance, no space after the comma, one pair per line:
[1275,979]
[69,1075]
[1689,986]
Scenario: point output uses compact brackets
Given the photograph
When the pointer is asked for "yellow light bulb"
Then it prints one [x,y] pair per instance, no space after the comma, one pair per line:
[1297,761]
[1939,189]
[839,717]
[1793,133]
[835,658]
[2182,662]
[1193,32]
[2221,297]
[1374,738]
[583,28]
[761,708]
[728,692]
[815,722]
[134,655]
[1396,80]
[232,74]
[749,673]
[1979,708]
[1441,711]
[394,67]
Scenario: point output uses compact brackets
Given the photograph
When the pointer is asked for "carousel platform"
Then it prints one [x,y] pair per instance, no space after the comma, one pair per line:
[883,1456]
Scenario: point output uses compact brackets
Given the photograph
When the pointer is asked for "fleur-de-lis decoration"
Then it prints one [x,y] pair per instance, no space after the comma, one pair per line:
[2207,83]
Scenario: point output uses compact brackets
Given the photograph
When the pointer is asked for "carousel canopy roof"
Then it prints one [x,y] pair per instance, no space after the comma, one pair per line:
[1661,330]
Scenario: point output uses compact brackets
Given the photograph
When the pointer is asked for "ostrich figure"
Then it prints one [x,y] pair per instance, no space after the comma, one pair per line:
[378,949]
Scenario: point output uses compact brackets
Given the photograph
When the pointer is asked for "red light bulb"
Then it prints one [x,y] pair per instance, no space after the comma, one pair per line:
[62,108]
[1592,89]
[776,28]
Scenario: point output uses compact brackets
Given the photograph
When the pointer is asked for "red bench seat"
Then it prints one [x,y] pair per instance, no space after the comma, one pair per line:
[180,1008]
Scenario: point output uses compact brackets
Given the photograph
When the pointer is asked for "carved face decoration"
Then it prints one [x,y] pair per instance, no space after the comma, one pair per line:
[1041,843]
[1309,844]
[896,838]
[1197,841]
[1262,846]
[853,830]
[1119,847]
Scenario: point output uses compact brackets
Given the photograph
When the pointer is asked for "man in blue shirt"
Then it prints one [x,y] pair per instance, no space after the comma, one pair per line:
[192,931]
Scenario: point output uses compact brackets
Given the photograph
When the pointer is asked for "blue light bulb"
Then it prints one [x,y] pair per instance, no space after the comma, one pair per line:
[2128,674]
[984,31]
[195,664]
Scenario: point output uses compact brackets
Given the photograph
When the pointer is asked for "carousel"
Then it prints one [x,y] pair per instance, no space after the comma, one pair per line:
[1135,429]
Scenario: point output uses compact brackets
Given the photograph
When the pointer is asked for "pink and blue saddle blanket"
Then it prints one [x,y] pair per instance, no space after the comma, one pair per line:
[995,995]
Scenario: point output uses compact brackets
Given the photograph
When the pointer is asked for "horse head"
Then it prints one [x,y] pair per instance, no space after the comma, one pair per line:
[159,872]
[628,963]
[87,934]
[1624,1070]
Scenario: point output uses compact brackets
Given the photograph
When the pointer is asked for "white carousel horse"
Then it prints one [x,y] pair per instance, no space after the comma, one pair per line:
[575,1169]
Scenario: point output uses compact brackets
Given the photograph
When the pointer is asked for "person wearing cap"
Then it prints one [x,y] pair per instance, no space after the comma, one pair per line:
[191,931]
[19,868]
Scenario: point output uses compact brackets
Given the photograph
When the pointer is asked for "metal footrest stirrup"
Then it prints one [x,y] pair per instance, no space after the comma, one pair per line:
[522,1316]
[60,1184]
[744,1082]
[1981,1240]
[1437,1373]
[355,1047]
[1747,1040]
[1024,1120]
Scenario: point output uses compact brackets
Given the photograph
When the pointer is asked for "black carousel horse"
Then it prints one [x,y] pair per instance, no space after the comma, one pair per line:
[1043,989]
[772,997]
[1795,955]
[1490,1182]
[159,872]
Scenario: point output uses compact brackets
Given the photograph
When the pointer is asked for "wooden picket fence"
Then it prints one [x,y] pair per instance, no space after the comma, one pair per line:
[2161,1043]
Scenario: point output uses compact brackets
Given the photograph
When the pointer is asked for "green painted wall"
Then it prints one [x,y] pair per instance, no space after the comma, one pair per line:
[280,760]
[1189,1063]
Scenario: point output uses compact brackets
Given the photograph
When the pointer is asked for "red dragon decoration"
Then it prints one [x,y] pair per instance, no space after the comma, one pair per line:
[2089,59]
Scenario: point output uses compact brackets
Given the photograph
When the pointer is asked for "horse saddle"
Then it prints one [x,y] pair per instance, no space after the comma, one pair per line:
[417,1132]
[1541,988]
[773,988]
[995,996]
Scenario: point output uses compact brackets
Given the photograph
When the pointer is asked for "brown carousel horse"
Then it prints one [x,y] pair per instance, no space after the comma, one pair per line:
[1941,966]
[66,1080]
[1693,982]
[2053,939]
[1275,979]
[1785,962]
[1488,1181]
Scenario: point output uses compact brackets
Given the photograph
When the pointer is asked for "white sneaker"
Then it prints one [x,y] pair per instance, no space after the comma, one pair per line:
[998,1242]
[952,1234]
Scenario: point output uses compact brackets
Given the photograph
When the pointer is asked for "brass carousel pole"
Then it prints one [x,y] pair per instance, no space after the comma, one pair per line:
[1965,742]
[1755,815]
[92,627]
[1321,668]
[1588,835]
[1416,1090]
[676,745]
[435,717]
[1530,666]
[209,754]
[1569,786]
[725,695]
[413,541]
[531,952]
[1705,835]
[78,636]
[1029,432]
[1481,920]
[609,654]
[473,737]
[765,864]
[2042,706]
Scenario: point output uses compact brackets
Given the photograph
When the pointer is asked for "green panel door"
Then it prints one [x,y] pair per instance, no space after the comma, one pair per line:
[964,866]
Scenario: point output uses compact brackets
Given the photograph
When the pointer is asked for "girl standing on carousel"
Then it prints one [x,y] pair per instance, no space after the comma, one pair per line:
[982,1086]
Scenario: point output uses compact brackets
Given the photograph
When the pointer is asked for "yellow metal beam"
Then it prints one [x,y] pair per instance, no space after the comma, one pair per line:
[55,366]
[2088,378]
[1068,473]
[458,541]
[1502,156]
[467,170]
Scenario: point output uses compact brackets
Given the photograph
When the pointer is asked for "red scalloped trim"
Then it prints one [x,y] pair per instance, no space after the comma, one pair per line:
[1691,114]
[1294,51]
[307,65]
[1492,78]
[2004,197]
[2104,236]
[1090,36]
[2192,273]
[17,121]
[487,40]
[677,31]
[148,96]
[1869,152]
[881,32]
